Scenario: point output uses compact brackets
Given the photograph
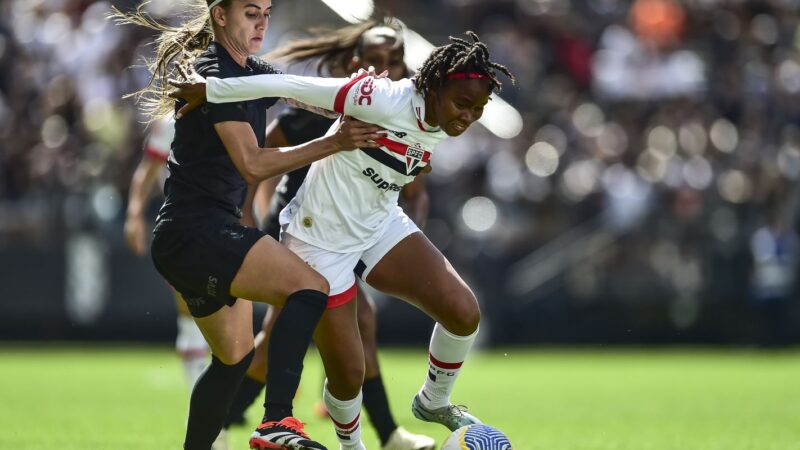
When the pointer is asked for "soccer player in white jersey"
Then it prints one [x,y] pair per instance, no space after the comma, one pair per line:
[338,52]
[345,215]
[189,342]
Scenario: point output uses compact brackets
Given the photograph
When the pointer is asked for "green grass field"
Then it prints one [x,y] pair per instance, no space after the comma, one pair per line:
[125,398]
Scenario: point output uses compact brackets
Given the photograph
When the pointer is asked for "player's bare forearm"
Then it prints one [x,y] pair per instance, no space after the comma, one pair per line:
[256,164]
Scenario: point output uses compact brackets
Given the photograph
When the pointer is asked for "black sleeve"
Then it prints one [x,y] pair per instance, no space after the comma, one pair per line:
[221,112]
[300,126]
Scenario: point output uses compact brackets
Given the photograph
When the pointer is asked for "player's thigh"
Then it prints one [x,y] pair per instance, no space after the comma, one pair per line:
[339,345]
[270,272]
[416,271]
[229,331]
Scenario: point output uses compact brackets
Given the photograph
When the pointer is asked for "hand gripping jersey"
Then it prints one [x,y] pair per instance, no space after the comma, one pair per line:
[348,198]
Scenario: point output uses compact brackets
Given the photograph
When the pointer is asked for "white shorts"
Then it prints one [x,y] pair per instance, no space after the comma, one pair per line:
[340,269]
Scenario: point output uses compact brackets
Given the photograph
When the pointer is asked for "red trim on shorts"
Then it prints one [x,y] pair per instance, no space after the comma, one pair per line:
[347,427]
[444,365]
[335,301]
[155,154]
[338,104]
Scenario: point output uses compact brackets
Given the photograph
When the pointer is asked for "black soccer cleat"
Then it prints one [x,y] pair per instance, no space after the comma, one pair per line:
[287,434]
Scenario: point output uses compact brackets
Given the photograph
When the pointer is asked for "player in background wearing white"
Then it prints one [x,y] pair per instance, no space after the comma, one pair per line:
[189,343]
[335,53]
[345,216]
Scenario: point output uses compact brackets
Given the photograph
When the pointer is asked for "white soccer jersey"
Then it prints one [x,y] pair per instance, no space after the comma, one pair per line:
[349,198]
[159,141]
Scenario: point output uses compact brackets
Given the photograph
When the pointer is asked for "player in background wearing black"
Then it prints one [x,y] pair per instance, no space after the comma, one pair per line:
[335,53]
[199,244]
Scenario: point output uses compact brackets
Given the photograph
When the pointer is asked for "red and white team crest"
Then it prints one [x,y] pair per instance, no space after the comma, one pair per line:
[414,156]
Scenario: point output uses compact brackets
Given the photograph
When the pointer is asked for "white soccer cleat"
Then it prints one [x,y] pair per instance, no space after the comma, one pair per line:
[402,439]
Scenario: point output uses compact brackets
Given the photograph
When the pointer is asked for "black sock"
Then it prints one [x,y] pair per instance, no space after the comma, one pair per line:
[377,405]
[288,344]
[211,398]
[248,392]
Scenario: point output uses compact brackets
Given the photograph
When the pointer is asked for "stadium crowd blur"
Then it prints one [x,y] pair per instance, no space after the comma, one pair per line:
[652,195]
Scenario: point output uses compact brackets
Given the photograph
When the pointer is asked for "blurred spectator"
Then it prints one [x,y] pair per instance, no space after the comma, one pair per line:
[655,133]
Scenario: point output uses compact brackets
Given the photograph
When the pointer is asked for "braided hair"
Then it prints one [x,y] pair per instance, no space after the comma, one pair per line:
[458,56]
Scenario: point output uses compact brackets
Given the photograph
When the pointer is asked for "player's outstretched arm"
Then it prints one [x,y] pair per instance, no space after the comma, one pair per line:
[364,96]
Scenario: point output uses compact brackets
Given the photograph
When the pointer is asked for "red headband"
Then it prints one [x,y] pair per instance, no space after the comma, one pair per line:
[462,75]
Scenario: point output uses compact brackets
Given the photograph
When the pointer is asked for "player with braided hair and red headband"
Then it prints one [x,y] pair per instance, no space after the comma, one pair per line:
[339,52]
[345,216]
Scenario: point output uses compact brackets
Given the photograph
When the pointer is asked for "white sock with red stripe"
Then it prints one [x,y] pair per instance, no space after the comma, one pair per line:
[192,348]
[445,357]
[346,418]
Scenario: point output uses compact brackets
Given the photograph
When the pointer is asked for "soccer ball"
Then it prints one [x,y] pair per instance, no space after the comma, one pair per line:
[477,437]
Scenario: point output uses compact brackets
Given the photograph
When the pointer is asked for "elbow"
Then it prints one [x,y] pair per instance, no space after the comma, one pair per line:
[249,171]
[250,178]
[251,175]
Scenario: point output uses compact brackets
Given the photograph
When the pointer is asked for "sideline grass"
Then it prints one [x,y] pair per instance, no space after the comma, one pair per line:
[97,398]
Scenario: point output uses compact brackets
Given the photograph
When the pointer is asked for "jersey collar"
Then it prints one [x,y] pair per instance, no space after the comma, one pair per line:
[418,103]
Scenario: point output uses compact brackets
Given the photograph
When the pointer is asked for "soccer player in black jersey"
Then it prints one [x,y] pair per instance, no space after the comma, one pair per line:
[339,53]
[202,243]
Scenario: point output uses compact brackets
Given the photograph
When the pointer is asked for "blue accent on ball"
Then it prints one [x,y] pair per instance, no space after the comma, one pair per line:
[484,437]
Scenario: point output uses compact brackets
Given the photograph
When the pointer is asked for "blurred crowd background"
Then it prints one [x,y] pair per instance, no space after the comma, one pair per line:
[652,196]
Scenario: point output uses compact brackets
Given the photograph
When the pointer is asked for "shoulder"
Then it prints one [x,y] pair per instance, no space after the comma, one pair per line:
[392,92]
[374,98]
[262,67]
[404,87]
[209,64]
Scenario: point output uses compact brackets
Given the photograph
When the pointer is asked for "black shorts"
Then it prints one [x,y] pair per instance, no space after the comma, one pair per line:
[201,262]
[273,227]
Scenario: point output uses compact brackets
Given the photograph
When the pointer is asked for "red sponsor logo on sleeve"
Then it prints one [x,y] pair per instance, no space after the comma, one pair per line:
[365,97]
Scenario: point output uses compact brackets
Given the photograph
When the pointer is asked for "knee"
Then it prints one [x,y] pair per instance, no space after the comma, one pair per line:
[316,282]
[235,355]
[465,317]
[310,281]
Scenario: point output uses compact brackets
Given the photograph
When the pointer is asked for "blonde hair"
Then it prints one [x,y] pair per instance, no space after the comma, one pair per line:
[173,45]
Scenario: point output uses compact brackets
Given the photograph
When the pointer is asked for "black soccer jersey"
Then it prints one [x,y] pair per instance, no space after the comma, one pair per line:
[203,180]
